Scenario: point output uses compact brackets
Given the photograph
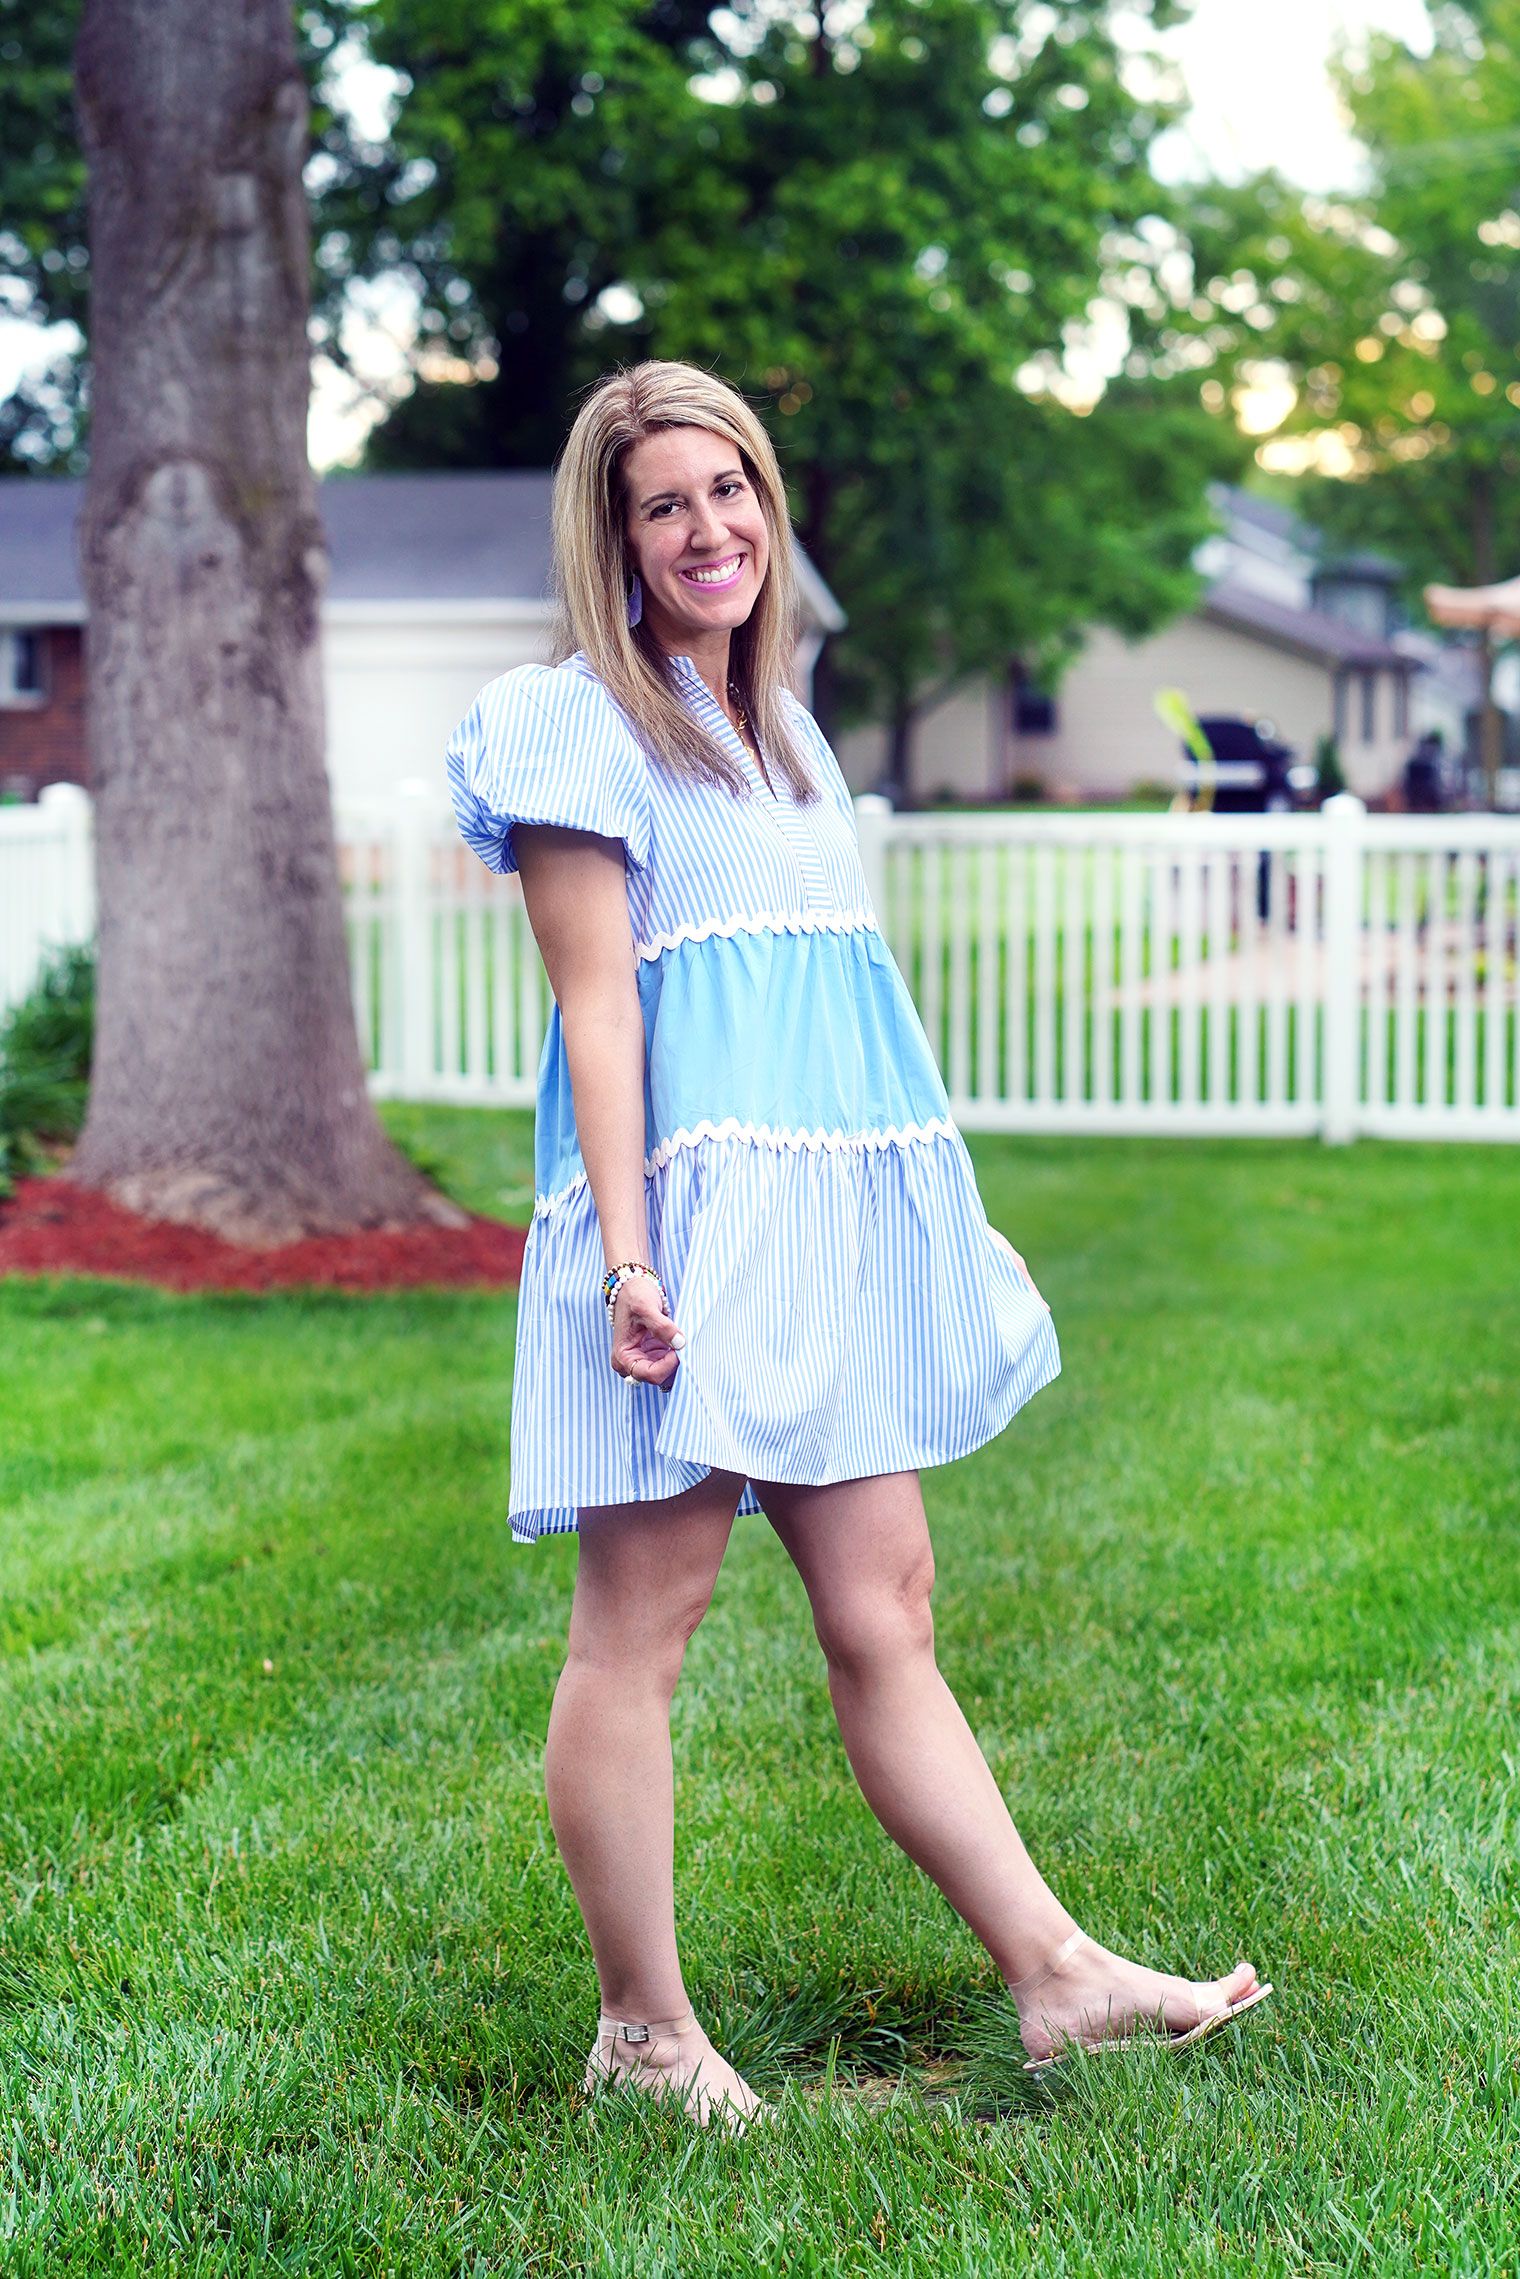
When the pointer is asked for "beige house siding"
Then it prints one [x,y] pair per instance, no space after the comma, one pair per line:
[959,749]
[1108,738]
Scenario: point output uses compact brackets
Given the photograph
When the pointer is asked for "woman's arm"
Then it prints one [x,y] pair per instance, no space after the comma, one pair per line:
[577,898]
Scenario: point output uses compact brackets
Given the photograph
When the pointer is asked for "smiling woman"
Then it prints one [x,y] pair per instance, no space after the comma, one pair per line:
[746,1163]
[669,492]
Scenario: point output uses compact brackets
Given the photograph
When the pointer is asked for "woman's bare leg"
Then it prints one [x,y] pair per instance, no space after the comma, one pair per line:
[863,1552]
[643,1584]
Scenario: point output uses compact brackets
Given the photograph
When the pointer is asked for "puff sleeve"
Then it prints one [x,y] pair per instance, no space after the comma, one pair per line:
[546,744]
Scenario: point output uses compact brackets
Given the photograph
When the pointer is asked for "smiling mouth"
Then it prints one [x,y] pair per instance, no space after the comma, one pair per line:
[714,576]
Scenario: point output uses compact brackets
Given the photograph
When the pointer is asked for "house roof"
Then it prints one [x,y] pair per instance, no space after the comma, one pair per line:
[433,539]
[38,563]
[1274,522]
[1305,632]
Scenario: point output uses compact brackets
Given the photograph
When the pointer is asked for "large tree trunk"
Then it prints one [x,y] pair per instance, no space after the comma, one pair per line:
[228,1088]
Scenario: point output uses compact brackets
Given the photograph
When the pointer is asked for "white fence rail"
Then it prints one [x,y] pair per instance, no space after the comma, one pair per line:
[1335,973]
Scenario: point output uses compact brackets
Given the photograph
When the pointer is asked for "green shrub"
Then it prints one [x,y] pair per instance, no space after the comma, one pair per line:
[45,1047]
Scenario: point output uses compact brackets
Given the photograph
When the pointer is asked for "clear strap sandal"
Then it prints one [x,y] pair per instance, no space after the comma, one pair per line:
[1141,2032]
[622,2057]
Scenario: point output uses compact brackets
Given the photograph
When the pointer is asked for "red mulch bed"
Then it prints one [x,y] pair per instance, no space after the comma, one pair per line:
[50,1226]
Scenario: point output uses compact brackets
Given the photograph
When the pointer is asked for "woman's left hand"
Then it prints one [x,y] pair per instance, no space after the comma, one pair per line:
[646,1344]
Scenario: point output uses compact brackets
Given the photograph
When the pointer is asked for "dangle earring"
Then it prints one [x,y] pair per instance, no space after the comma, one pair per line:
[635,601]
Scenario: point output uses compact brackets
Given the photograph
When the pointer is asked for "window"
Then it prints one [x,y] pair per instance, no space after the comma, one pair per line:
[1369,707]
[21,660]
[1034,713]
[1401,704]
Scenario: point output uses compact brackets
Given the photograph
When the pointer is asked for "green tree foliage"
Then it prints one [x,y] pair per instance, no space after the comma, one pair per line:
[873,233]
[539,151]
[876,233]
[44,259]
[1398,313]
[44,240]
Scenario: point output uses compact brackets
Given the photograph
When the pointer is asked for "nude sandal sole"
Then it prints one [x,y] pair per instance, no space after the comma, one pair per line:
[1170,2042]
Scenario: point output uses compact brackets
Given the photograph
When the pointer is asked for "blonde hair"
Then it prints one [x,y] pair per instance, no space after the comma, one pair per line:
[592,572]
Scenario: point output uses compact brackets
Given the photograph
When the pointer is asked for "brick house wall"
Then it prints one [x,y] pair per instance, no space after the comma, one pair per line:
[45,743]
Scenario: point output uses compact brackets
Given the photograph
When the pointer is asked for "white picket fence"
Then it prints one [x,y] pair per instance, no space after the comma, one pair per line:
[47,883]
[449,991]
[1337,973]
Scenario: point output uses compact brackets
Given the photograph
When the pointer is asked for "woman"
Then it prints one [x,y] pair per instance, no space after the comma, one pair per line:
[759,1275]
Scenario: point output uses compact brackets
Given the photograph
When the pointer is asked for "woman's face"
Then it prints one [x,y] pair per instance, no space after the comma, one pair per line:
[696,535]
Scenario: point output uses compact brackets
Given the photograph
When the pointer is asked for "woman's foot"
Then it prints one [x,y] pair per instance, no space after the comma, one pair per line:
[673,2059]
[1088,1997]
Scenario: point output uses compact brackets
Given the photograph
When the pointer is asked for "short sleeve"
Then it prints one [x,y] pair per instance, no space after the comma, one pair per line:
[546,744]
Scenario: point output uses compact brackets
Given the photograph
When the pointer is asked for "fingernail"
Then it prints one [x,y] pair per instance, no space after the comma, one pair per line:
[678,1340]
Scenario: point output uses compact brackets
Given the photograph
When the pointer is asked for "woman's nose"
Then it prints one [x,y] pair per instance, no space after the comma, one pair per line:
[707,525]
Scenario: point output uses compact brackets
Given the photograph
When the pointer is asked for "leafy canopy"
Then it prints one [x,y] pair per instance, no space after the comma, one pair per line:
[877,231]
[1397,314]
[44,258]
[891,229]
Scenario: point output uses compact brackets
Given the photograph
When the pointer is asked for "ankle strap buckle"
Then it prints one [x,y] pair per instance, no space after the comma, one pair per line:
[634,2034]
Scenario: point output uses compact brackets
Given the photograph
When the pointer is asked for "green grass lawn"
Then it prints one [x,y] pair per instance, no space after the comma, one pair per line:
[290,1979]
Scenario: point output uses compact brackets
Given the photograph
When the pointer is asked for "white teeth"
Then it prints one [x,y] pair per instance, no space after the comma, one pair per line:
[715,576]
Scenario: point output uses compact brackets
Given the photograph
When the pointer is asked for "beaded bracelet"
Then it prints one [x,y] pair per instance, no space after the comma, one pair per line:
[616,1276]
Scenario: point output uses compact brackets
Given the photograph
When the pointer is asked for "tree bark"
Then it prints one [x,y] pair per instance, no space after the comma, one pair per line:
[896,783]
[227,1087]
[1490,720]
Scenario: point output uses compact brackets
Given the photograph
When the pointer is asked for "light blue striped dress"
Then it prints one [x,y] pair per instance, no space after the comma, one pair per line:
[812,1209]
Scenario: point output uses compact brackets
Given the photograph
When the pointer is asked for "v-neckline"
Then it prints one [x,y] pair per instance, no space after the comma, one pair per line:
[752,761]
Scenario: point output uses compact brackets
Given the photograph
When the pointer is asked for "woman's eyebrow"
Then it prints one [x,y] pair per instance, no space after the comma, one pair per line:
[657,498]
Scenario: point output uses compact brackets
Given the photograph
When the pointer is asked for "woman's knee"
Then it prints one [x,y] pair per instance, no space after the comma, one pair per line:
[878,1621]
[640,1640]
[645,1579]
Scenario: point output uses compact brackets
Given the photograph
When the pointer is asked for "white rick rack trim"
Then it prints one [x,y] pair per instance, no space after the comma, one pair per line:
[763,922]
[761,1135]
[545,1206]
[815,1143]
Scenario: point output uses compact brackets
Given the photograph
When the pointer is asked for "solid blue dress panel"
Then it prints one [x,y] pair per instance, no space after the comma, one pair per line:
[783,1038]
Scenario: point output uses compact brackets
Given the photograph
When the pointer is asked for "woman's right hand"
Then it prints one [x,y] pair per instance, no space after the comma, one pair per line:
[646,1345]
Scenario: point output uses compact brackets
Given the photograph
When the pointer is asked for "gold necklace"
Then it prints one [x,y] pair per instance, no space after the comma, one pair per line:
[747,736]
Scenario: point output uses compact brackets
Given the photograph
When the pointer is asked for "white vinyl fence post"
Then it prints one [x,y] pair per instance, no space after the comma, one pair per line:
[1344,846]
[71,812]
[414,941]
[873,820]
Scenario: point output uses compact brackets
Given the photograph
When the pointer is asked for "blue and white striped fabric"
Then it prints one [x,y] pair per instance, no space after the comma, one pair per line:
[812,1209]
